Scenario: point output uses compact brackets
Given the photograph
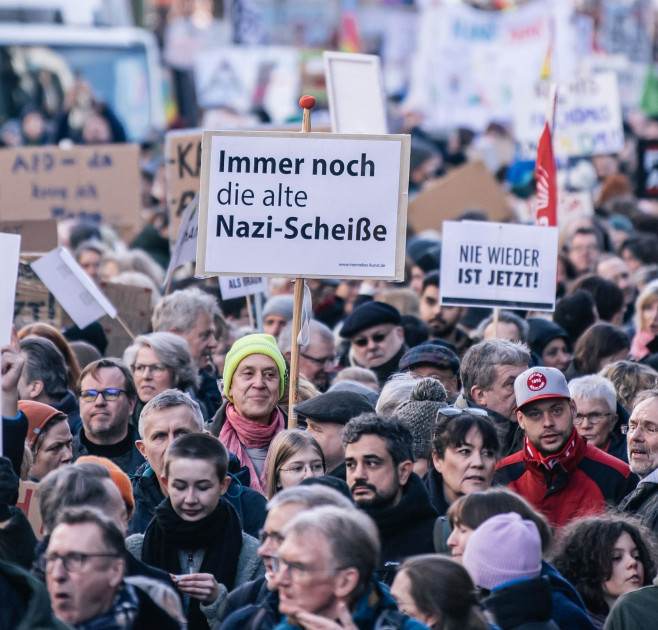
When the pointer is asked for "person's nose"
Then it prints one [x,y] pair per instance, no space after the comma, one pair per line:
[67,455]
[359,471]
[212,342]
[372,344]
[307,472]
[476,461]
[585,424]
[548,420]
[190,496]
[631,561]
[452,539]
[57,571]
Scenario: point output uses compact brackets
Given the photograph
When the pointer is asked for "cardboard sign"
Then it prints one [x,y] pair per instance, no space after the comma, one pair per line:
[72,287]
[353,80]
[312,205]
[233,287]
[465,188]
[95,183]
[185,248]
[10,245]
[28,503]
[647,169]
[133,304]
[36,236]
[498,264]
[34,302]
[588,119]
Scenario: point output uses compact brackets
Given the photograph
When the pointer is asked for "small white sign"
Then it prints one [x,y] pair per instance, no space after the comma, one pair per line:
[10,245]
[313,205]
[239,286]
[72,287]
[185,247]
[498,264]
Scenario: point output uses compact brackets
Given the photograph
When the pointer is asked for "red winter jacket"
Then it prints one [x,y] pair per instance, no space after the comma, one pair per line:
[583,482]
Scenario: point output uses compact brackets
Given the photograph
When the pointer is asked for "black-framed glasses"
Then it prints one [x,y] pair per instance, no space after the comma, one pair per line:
[377,337]
[596,417]
[90,395]
[276,537]
[331,361]
[73,562]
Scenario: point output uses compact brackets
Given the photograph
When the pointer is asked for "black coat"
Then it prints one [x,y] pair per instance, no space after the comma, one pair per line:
[643,503]
[252,606]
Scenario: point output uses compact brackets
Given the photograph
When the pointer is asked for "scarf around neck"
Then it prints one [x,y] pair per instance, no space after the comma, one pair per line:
[549,461]
[240,433]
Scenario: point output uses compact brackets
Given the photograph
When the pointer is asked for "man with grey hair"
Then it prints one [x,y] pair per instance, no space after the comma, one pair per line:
[488,371]
[340,549]
[256,603]
[596,414]
[191,314]
[317,360]
[510,326]
[164,418]
[642,437]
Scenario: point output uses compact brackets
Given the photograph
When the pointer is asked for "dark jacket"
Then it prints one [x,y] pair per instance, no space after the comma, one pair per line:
[14,432]
[643,503]
[584,482]
[569,610]
[124,454]
[68,404]
[249,504]
[151,616]
[207,395]
[17,540]
[406,529]
[434,485]
[524,605]
[252,606]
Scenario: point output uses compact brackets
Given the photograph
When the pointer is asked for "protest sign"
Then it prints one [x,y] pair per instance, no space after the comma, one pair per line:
[292,204]
[353,80]
[588,118]
[133,305]
[236,286]
[34,303]
[498,265]
[185,248]
[36,236]
[469,187]
[28,503]
[52,183]
[72,287]
[647,169]
[626,27]
[10,245]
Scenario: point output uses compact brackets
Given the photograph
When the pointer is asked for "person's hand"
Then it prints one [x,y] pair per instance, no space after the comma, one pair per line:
[12,367]
[202,586]
[309,621]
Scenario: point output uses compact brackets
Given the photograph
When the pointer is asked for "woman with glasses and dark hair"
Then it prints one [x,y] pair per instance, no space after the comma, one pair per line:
[293,456]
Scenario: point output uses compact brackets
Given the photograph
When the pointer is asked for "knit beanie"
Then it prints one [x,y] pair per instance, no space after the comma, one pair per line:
[503,548]
[279,305]
[253,344]
[120,479]
[419,414]
[38,416]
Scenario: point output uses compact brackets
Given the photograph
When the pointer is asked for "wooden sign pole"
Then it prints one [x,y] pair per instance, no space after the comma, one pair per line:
[307,103]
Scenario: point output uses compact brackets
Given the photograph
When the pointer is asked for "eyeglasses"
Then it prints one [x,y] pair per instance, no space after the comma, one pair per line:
[154,368]
[377,337]
[458,411]
[596,417]
[277,538]
[647,427]
[298,572]
[299,470]
[73,562]
[330,361]
[90,395]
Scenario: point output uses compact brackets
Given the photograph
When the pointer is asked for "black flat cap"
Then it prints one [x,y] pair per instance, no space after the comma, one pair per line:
[368,315]
[336,407]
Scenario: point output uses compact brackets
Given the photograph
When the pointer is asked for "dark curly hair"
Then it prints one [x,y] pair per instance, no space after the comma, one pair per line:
[585,554]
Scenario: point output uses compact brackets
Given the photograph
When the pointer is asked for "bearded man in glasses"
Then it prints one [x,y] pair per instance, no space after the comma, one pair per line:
[376,338]
[107,399]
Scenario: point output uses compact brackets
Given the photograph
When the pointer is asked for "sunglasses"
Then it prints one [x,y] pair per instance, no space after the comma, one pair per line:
[377,337]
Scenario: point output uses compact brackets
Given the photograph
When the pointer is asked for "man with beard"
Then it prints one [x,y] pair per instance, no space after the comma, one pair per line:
[561,475]
[379,462]
[642,439]
[376,338]
[442,320]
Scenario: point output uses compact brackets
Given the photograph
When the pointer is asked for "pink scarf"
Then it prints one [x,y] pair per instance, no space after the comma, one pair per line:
[239,433]
[639,348]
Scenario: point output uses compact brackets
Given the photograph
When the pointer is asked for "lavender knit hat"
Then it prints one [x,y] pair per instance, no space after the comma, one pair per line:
[503,548]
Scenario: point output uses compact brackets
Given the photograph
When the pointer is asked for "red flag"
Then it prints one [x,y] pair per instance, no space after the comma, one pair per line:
[546,171]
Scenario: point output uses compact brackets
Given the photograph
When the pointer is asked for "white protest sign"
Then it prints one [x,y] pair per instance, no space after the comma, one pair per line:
[185,247]
[313,205]
[353,80]
[72,287]
[10,245]
[236,286]
[498,264]
[588,118]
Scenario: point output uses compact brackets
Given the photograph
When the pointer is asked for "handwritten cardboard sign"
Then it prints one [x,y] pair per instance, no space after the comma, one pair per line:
[36,236]
[34,302]
[291,204]
[28,503]
[498,264]
[88,182]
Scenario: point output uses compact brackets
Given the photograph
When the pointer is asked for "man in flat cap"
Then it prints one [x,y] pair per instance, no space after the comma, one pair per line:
[376,338]
[325,416]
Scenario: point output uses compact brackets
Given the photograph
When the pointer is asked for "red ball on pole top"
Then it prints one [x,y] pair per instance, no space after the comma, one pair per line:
[307,102]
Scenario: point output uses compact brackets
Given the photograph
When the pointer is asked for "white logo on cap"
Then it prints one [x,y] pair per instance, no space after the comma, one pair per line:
[536,381]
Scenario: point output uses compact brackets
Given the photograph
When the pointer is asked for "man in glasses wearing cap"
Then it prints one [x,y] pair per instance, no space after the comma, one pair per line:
[557,471]
[107,399]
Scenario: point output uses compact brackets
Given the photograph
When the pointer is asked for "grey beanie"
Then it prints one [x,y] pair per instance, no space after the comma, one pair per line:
[279,305]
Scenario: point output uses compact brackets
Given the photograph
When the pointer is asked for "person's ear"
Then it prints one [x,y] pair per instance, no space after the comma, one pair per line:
[404,471]
[141,448]
[521,419]
[225,484]
[438,462]
[116,571]
[479,395]
[400,332]
[346,581]
[163,483]
[35,389]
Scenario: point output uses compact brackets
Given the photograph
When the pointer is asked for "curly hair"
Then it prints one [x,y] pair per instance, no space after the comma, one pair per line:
[629,378]
[585,554]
